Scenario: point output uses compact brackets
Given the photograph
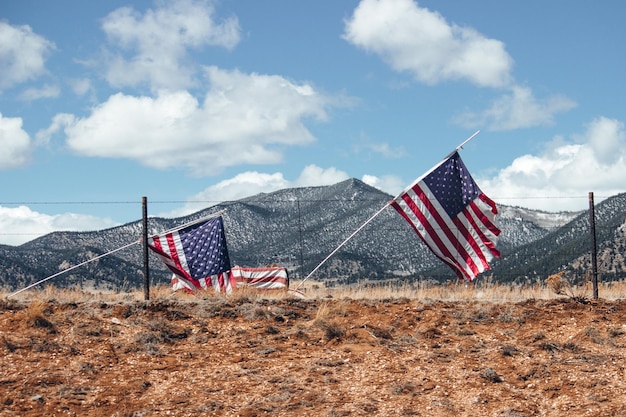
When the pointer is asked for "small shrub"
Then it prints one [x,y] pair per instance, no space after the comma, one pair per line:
[272,330]
[594,335]
[465,332]
[380,333]
[561,286]
[509,350]
[549,346]
[616,331]
[333,331]
[557,283]
[265,351]
[539,336]
[572,347]
[490,375]
[9,345]
[404,388]
[36,311]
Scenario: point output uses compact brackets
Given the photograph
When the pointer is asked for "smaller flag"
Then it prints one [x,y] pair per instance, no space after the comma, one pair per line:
[453,217]
[197,255]
[268,278]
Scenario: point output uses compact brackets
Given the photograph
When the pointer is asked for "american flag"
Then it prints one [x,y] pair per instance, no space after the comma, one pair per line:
[268,278]
[453,217]
[197,255]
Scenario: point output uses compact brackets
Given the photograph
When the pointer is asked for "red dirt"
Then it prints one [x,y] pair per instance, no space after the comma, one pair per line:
[292,357]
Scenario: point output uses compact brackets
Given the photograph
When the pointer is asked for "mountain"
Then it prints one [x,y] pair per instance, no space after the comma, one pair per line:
[299,227]
[569,247]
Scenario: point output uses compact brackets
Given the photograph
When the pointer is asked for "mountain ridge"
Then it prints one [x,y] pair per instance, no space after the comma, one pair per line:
[299,227]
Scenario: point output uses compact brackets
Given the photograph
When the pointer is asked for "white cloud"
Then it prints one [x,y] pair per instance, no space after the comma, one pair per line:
[81,86]
[519,109]
[381,148]
[251,183]
[312,175]
[562,176]
[20,224]
[242,185]
[390,184]
[414,39]
[59,122]
[22,54]
[154,47]
[15,143]
[244,119]
[606,139]
[33,93]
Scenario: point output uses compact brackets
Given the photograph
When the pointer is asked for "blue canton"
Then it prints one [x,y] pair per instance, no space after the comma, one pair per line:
[452,185]
[205,248]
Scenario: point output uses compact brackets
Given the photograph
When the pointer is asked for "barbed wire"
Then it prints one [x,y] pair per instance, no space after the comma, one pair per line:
[282,229]
[265,200]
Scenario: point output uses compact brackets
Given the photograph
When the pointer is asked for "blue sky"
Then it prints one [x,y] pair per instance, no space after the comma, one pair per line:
[195,102]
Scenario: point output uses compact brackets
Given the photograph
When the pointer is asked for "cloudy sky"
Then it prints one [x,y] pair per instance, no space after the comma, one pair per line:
[194,102]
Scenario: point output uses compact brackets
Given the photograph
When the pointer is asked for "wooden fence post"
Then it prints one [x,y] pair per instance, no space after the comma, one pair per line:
[594,256]
[146,269]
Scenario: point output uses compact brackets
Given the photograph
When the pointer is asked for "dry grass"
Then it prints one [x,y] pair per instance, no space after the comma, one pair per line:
[555,286]
[485,290]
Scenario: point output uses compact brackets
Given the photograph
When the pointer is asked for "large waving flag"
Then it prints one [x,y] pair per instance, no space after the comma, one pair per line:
[453,217]
[197,255]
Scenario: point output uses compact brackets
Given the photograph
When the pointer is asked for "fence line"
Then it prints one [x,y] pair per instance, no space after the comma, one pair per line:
[251,200]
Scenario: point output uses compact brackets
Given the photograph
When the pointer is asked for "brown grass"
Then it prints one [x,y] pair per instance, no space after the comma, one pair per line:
[555,286]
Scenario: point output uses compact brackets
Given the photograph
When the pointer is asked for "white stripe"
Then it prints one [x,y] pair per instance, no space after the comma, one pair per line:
[262,285]
[486,209]
[181,253]
[215,283]
[227,283]
[178,283]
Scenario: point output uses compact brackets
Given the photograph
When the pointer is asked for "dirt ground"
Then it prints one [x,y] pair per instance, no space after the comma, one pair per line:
[297,357]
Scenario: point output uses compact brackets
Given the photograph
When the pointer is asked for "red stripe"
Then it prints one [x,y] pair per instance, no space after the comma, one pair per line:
[157,243]
[472,242]
[173,255]
[279,280]
[172,248]
[480,231]
[220,282]
[469,259]
[258,269]
[490,202]
[486,223]
[231,278]
[167,260]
